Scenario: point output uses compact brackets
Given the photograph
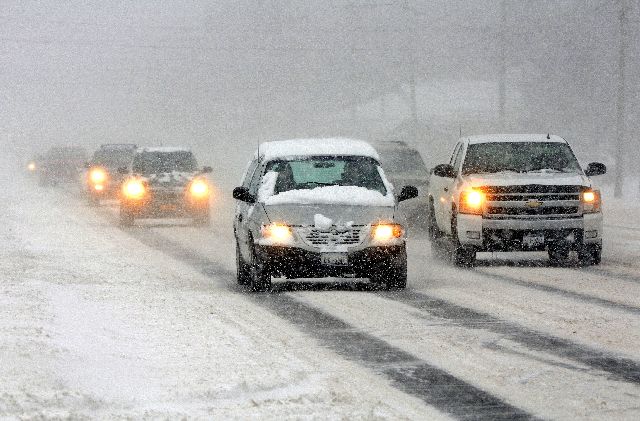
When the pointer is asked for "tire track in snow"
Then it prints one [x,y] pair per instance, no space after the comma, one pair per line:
[620,368]
[407,373]
[591,299]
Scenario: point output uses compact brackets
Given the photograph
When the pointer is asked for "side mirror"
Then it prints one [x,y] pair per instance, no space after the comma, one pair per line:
[207,170]
[408,192]
[595,168]
[444,170]
[123,170]
[242,194]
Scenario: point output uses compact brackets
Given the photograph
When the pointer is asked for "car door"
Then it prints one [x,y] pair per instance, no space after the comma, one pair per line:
[242,212]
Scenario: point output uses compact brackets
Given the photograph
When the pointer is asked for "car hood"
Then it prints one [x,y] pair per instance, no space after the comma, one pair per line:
[170,179]
[305,215]
[517,179]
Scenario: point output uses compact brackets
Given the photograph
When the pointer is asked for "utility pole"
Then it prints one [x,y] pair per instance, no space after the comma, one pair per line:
[620,105]
[502,83]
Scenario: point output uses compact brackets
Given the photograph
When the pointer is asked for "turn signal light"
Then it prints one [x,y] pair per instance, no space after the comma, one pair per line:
[133,189]
[471,202]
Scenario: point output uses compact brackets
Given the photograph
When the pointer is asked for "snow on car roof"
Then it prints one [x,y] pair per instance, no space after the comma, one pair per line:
[320,146]
[164,149]
[493,138]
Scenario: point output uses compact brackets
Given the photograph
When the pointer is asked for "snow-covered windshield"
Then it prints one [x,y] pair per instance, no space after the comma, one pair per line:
[309,173]
[164,162]
[112,158]
[519,157]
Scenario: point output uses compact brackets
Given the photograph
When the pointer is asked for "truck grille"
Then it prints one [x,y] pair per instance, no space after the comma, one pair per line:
[532,202]
[331,237]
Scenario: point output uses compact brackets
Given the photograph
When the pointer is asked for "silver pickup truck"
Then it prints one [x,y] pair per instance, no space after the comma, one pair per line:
[515,193]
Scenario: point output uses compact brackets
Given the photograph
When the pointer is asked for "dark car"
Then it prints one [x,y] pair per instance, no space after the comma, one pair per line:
[62,164]
[103,180]
[165,182]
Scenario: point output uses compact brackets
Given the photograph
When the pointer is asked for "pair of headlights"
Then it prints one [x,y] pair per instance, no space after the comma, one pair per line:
[472,201]
[136,189]
[381,233]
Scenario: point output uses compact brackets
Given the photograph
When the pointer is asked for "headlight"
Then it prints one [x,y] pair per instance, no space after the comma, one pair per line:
[471,202]
[199,189]
[97,176]
[133,189]
[31,166]
[590,201]
[277,232]
[385,232]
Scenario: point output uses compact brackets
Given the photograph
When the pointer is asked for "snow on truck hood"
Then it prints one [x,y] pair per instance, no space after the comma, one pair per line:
[518,179]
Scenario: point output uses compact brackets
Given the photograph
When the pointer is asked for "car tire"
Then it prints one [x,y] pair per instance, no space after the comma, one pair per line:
[590,254]
[126,217]
[392,275]
[260,277]
[432,225]
[243,275]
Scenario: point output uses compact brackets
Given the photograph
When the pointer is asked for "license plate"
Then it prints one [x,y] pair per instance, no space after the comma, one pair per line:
[532,240]
[334,259]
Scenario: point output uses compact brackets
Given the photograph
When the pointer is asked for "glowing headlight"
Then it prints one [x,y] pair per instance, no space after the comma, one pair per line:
[31,166]
[591,201]
[97,176]
[386,232]
[471,202]
[199,188]
[133,189]
[277,232]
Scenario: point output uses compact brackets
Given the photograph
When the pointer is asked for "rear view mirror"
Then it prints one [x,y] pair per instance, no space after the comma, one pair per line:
[206,170]
[408,192]
[595,168]
[123,170]
[444,170]
[242,194]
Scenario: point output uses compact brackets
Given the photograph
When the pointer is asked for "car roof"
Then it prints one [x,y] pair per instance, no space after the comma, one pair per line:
[497,138]
[118,146]
[315,147]
[163,149]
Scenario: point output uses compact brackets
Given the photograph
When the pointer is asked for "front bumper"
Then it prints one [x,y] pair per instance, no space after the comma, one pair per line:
[507,234]
[293,262]
[153,207]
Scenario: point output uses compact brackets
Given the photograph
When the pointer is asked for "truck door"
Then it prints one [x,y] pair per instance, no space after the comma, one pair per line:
[443,192]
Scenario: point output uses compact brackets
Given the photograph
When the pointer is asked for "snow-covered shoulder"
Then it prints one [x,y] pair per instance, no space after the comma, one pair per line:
[338,195]
[312,147]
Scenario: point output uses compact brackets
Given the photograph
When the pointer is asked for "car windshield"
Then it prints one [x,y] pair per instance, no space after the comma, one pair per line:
[402,161]
[519,157]
[309,173]
[164,162]
[113,158]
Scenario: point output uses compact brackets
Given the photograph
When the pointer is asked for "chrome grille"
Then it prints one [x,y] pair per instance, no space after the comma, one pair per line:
[331,237]
[532,202]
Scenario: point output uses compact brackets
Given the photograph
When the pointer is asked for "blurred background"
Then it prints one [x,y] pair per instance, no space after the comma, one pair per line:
[222,76]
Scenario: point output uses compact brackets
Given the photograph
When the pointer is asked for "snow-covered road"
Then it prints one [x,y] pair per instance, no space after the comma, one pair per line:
[103,322]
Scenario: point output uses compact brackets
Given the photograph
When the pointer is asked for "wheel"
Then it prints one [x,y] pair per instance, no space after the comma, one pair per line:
[126,217]
[242,271]
[432,226]
[590,254]
[558,255]
[463,256]
[392,275]
[259,275]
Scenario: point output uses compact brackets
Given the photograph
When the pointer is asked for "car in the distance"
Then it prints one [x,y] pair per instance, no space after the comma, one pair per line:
[102,179]
[165,182]
[313,208]
[62,164]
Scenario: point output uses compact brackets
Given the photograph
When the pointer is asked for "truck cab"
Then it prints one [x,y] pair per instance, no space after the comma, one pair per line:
[515,193]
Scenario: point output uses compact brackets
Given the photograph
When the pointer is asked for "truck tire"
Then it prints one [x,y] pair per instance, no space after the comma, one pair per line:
[558,255]
[432,225]
[461,256]
[590,254]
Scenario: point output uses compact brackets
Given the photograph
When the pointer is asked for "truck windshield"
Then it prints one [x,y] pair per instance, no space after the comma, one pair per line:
[312,172]
[113,158]
[519,157]
[164,162]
